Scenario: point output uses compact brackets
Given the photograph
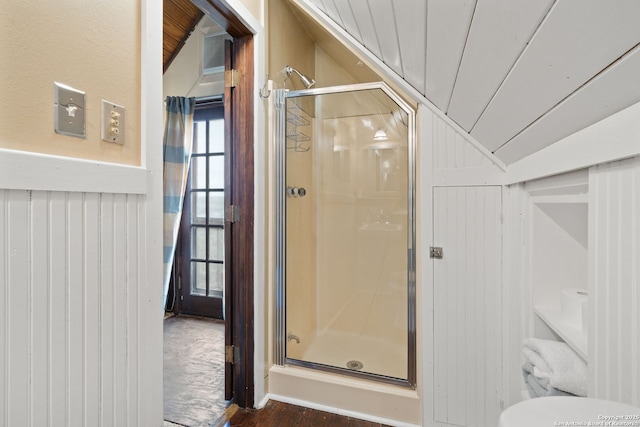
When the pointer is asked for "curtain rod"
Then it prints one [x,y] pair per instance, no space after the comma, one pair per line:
[209,99]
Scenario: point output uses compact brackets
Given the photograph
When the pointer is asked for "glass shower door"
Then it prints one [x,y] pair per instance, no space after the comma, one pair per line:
[347,232]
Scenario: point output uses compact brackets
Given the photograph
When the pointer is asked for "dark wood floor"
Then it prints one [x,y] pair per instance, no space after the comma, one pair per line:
[278,414]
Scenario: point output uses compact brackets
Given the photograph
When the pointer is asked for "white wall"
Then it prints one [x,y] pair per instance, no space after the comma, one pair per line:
[461,308]
[559,260]
[614,281]
[517,297]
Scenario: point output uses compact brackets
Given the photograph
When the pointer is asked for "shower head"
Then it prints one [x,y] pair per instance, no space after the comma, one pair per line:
[306,81]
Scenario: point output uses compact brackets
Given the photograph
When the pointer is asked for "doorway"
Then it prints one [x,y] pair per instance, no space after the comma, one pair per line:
[194,338]
[235,302]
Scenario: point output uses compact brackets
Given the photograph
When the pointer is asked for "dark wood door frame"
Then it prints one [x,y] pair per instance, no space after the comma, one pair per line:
[240,100]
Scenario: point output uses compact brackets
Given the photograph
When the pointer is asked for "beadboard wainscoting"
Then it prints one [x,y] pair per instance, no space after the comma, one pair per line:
[517,297]
[614,281]
[468,305]
[77,329]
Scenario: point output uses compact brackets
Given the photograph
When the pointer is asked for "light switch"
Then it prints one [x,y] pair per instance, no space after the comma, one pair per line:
[112,129]
[69,113]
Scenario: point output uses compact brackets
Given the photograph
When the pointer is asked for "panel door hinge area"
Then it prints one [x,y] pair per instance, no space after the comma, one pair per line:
[231,78]
[232,354]
[232,214]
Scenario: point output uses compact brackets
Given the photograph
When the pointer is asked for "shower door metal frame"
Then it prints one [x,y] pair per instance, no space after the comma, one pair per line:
[280,336]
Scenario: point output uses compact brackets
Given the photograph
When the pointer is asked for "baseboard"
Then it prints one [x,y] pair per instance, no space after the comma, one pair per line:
[338,411]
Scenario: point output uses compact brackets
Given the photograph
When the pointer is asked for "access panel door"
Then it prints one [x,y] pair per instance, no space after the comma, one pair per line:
[467,305]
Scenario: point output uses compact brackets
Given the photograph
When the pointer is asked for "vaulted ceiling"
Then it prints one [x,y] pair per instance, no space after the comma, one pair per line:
[517,75]
[179,18]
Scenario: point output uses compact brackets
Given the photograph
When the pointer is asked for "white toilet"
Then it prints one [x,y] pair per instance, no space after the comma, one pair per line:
[560,410]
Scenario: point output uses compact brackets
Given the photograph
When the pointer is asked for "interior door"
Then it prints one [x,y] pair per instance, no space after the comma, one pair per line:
[239,97]
[229,337]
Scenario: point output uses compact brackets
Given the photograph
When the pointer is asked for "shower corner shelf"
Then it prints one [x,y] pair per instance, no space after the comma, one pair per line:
[297,119]
[298,136]
[297,116]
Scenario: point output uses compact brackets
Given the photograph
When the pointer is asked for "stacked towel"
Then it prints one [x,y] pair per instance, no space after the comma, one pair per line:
[552,368]
[539,387]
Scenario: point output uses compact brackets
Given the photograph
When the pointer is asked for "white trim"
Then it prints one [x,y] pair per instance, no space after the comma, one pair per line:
[338,411]
[424,264]
[23,170]
[260,278]
[245,16]
[374,62]
[264,401]
[613,138]
[259,231]
[564,198]
[150,309]
[467,177]
[567,183]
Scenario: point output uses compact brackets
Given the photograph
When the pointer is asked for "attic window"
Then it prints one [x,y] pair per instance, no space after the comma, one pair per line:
[213,53]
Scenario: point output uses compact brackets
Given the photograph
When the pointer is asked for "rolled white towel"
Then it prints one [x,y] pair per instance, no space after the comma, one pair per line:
[558,362]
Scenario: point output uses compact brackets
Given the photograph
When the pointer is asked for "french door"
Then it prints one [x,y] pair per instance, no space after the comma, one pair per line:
[201,247]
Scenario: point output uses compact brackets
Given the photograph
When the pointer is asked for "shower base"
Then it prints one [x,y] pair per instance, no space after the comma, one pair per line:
[354,397]
[337,349]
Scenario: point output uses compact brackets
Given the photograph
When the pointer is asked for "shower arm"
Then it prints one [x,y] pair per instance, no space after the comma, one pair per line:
[306,81]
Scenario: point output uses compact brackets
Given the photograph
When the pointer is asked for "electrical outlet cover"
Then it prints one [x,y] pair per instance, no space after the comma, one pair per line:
[113,125]
[69,113]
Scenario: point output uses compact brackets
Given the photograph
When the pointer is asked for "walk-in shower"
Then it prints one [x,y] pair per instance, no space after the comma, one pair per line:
[345,285]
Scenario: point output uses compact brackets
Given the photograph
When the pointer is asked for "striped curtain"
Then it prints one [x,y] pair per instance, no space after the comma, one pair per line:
[178,137]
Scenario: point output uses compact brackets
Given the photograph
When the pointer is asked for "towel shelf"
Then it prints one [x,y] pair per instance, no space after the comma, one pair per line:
[576,338]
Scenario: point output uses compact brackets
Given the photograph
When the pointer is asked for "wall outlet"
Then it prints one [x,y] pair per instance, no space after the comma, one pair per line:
[112,129]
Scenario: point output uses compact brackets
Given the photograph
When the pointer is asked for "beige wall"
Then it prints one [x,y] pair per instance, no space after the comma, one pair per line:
[288,44]
[89,45]
[255,7]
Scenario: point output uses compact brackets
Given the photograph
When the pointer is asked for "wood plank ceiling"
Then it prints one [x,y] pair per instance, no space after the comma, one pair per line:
[179,18]
[518,75]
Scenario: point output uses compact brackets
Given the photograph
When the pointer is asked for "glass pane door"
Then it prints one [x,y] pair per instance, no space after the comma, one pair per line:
[202,228]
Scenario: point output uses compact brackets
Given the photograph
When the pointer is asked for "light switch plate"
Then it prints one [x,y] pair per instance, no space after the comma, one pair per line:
[69,112]
[112,129]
